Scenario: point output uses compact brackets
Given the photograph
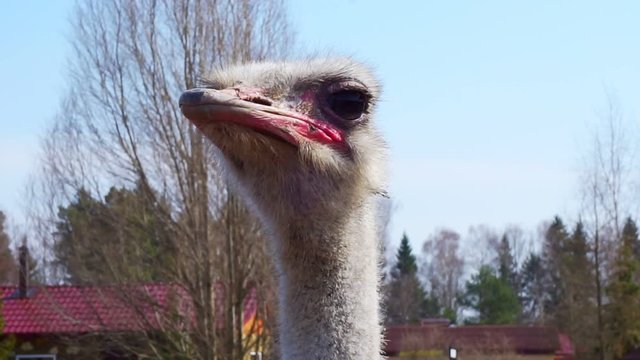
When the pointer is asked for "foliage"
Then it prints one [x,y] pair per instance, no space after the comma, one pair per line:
[578,300]
[431,307]
[507,267]
[624,292]
[8,267]
[491,297]
[124,227]
[405,259]
[405,297]
[567,291]
[169,215]
[534,292]
[555,240]
[120,125]
[443,268]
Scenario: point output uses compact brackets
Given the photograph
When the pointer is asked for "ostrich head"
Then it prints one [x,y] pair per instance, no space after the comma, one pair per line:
[296,137]
[299,142]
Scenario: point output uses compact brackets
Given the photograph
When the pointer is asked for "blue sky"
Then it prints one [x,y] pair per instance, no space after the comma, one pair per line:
[486,104]
[33,49]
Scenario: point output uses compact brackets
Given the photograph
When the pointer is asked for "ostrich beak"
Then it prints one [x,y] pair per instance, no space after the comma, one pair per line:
[203,106]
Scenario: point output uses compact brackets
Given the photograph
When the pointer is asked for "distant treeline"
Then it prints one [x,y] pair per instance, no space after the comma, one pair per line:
[584,282]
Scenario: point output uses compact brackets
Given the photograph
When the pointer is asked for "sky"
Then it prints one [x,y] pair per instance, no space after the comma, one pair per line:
[486,107]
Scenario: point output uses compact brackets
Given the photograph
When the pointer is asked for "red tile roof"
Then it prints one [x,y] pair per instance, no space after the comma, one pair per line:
[81,309]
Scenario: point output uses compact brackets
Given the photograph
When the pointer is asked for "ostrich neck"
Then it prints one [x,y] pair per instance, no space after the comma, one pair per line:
[329,305]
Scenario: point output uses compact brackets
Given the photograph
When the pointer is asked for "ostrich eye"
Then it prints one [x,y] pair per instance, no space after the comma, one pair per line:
[348,104]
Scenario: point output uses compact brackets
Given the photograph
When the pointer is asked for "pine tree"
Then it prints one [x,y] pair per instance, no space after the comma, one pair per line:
[406,297]
[8,267]
[405,260]
[491,297]
[578,297]
[90,233]
[553,250]
[624,294]
[569,284]
[533,287]
[431,308]
[507,268]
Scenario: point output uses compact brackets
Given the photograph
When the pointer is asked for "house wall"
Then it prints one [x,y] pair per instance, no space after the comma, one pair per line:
[36,345]
[55,345]
[506,356]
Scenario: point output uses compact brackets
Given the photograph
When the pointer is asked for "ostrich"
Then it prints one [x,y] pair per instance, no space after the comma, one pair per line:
[297,138]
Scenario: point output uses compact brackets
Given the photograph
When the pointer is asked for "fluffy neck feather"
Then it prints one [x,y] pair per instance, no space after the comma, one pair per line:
[329,305]
[321,217]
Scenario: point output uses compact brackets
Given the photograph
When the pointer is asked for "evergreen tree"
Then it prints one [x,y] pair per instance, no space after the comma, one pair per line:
[8,266]
[624,294]
[569,284]
[82,222]
[406,297]
[533,296]
[405,260]
[507,267]
[431,308]
[553,254]
[118,239]
[491,297]
[578,298]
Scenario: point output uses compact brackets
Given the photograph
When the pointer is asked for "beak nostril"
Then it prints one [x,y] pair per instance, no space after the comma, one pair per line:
[191,97]
[249,94]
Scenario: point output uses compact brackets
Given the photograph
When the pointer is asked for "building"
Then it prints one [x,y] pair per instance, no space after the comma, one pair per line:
[431,341]
[42,320]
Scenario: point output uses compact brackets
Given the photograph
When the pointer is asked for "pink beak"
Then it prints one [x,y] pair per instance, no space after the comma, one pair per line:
[204,106]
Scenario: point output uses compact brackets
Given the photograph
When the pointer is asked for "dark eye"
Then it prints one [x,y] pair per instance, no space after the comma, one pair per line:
[348,104]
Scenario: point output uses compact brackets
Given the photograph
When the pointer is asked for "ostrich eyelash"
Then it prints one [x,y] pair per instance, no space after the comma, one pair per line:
[382,193]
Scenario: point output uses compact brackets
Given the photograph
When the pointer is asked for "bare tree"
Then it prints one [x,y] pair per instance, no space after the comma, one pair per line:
[443,266]
[120,126]
[480,244]
[485,244]
[520,243]
[606,196]
[608,168]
